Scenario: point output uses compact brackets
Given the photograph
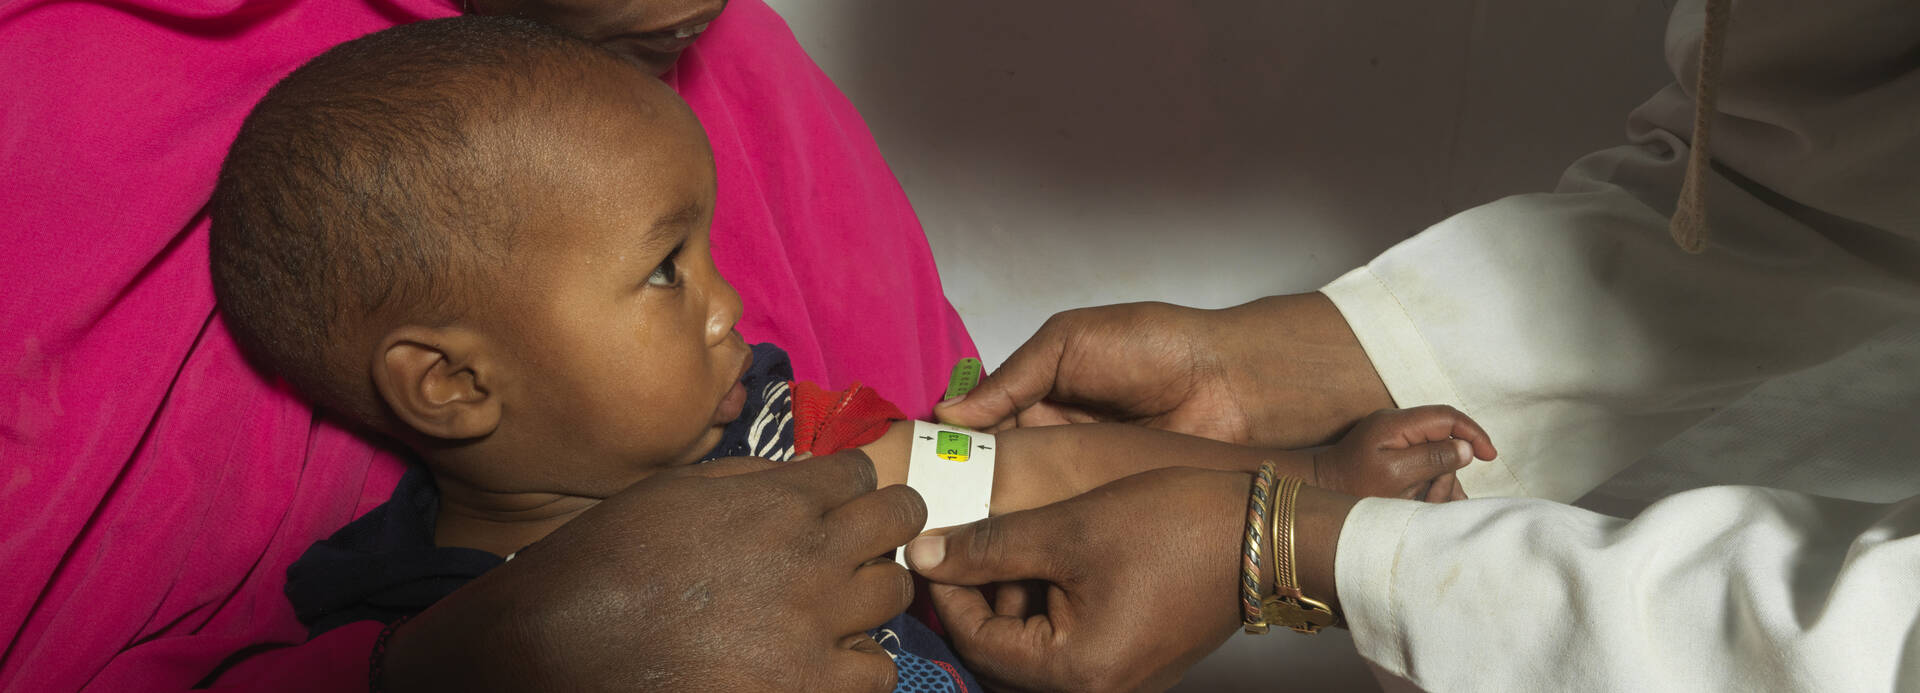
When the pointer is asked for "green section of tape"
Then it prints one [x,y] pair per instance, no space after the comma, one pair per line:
[966,374]
[953,446]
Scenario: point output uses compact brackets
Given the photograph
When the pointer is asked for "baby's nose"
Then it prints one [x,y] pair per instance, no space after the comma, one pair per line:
[724,311]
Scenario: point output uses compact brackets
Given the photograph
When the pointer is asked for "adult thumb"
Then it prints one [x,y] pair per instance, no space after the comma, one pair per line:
[1024,379]
[1015,546]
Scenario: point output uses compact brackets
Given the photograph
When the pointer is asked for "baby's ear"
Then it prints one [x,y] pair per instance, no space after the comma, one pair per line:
[439,381]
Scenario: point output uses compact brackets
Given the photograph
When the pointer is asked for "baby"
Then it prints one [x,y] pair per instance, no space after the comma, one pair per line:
[487,240]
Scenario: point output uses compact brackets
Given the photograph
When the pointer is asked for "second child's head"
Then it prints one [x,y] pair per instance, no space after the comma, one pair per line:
[487,239]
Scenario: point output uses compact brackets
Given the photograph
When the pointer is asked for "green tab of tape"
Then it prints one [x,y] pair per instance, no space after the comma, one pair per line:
[966,374]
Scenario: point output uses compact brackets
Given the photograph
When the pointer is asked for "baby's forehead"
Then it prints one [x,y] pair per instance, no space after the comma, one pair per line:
[642,169]
[605,219]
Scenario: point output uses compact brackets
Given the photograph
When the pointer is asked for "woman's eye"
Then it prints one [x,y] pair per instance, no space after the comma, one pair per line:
[667,274]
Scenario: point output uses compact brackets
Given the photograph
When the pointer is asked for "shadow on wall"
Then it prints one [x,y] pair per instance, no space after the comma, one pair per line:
[1218,100]
[1192,100]
[1206,152]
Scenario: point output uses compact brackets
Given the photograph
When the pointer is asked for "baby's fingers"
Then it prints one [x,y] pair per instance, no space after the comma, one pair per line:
[1425,471]
[1445,488]
[1438,422]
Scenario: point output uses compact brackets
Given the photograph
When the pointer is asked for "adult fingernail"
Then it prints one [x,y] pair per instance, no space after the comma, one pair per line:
[950,401]
[1464,449]
[926,552]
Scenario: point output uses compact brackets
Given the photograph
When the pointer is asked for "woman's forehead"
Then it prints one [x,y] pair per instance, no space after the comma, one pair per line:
[600,19]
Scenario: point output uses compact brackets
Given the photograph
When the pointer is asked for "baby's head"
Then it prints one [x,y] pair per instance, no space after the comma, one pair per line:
[487,239]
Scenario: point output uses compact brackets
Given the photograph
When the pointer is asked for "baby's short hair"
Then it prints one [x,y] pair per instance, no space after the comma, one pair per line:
[372,185]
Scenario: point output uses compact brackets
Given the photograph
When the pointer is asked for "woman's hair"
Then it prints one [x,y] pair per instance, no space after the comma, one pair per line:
[373,185]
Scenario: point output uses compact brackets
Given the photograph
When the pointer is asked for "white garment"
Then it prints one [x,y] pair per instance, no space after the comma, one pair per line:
[1575,331]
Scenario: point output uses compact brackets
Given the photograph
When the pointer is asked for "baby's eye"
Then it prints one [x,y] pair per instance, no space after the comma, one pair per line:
[667,274]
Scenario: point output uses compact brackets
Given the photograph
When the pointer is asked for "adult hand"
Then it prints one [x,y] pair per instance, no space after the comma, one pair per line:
[1140,580]
[687,581]
[1283,372]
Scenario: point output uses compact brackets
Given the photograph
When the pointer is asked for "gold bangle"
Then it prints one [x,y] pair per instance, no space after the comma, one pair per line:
[1258,501]
[1288,606]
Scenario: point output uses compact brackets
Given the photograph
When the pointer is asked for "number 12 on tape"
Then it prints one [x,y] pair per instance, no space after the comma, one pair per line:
[952,446]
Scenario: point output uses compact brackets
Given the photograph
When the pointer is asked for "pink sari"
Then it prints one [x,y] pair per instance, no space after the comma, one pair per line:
[153,489]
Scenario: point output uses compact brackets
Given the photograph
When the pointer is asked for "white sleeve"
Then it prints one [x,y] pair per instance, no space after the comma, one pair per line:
[1580,336]
[1723,588]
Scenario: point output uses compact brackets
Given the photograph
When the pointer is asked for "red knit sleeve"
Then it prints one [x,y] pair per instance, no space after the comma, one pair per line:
[827,421]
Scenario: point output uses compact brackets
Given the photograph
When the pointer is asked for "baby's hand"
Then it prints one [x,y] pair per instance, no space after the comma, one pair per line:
[1404,453]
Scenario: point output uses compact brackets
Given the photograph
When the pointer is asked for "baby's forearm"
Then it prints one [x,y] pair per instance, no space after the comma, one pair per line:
[1037,466]
[890,453]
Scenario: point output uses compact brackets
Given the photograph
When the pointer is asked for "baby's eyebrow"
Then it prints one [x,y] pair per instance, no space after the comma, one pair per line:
[670,229]
[683,216]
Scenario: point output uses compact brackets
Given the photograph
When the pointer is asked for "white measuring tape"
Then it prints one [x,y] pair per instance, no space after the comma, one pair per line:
[952,469]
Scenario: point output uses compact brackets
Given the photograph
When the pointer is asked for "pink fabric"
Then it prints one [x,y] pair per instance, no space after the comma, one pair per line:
[808,214]
[153,489]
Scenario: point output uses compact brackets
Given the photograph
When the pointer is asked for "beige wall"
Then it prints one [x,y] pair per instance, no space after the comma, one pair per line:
[1071,153]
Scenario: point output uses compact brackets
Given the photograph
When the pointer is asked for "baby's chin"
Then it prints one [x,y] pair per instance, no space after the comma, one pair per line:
[708,440]
[724,413]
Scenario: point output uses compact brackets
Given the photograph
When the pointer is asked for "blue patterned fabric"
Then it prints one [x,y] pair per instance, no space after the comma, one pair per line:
[765,425]
[922,658]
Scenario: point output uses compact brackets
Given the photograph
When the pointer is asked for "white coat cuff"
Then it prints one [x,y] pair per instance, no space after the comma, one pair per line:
[1364,567]
[1407,365]
[1402,357]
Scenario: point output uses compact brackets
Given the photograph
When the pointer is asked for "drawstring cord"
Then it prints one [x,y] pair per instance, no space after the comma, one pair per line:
[1689,223]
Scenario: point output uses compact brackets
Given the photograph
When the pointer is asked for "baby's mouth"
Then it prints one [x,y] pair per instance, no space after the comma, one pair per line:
[736,398]
[731,405]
